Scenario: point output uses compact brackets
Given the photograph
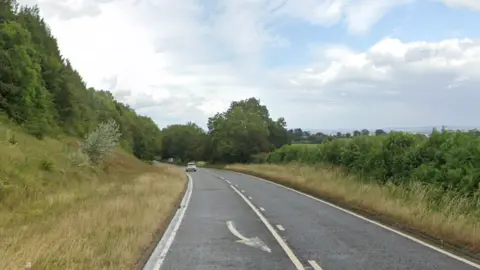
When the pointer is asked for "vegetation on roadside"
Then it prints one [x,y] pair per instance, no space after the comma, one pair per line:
[69,197]
[448,160]
[58,214]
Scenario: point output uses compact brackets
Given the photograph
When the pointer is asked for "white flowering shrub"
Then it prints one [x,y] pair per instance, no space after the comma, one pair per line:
[101,142]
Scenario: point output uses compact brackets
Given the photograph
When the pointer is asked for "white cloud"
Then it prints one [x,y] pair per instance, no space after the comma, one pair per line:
[393,83]
[471,4]
[180,61]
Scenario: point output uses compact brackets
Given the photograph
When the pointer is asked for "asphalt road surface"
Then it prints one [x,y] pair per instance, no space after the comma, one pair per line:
[234,221]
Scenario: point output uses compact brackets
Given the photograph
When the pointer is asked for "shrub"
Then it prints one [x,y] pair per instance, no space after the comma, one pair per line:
[101,142]
[449,160]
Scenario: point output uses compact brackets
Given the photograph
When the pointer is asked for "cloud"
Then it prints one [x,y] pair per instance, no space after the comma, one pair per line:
[179,61]
[392,83]
[470,4]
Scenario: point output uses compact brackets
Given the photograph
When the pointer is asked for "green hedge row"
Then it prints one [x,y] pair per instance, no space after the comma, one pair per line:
[448,159]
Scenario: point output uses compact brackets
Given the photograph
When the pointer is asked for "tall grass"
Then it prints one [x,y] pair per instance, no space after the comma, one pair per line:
[59,215]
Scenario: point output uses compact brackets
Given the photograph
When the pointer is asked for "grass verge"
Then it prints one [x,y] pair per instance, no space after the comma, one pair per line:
[448,221]
[60,216]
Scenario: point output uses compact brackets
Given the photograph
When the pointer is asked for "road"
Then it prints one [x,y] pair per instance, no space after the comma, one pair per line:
[234,221]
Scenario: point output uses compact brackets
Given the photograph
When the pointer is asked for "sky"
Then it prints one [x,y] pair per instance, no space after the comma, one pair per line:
[318,63]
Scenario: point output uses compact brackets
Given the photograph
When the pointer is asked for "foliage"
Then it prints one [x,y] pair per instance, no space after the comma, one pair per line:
[241,133]
[101,142]
[245,129]
[41,91]
[447,159]
[184,142]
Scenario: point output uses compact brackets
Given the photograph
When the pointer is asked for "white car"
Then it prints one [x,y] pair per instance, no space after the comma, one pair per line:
[191,167]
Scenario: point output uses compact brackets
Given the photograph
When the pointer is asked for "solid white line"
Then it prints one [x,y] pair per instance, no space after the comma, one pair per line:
[262,209]
[418,241]
[280,227]
[171,237]
[315,265]
[279,239]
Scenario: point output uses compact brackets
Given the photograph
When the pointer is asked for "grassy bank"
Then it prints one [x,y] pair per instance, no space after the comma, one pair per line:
[58,215]
[416,208]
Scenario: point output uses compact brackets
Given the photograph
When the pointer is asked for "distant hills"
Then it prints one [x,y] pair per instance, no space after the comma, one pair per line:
[422,130]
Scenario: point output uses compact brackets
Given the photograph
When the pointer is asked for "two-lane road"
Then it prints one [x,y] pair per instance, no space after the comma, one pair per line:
[234,221]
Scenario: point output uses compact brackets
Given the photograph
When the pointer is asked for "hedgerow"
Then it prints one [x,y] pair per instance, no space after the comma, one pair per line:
[446,159]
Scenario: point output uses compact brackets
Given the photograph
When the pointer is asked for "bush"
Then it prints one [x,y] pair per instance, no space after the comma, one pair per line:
[446,159]
[101,142]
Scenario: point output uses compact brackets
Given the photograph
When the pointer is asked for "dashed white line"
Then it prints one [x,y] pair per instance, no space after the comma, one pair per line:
[277,237]
[280,227]
[236,185]
[262,209]
[243,191]
[416,240]
[228,182]
[249,198]
[315,265]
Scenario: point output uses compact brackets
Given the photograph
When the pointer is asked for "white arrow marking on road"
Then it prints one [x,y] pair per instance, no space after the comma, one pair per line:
[254,242]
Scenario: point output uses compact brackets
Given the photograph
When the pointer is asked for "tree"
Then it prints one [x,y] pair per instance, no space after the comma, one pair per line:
[245,129]
[184,142]
[379,132]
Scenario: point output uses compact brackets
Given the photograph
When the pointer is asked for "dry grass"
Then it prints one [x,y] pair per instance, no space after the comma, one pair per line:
[59,216]
[415,208]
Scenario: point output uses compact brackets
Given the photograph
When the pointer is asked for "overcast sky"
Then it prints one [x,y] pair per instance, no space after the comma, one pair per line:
[318,63]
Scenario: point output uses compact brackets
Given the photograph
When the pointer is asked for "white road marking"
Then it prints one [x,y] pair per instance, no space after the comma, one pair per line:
[228,182]
[416,240]
[243,191]
[280,227]
[277,237]
[249,198]
[254,242]
[174,230]
[262,209]
[236,185]
[315,265]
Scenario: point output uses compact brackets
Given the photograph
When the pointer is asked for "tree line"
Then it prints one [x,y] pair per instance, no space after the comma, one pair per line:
[299,136]
[41,91]
[244,130]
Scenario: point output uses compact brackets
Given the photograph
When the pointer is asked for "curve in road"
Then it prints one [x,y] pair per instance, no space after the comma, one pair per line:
[279,228]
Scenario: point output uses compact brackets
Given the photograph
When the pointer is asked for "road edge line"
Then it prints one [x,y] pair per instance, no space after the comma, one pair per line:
[277,237]
[405,235]
[158,255]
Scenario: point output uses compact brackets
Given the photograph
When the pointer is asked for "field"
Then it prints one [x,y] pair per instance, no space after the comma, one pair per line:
[57,215]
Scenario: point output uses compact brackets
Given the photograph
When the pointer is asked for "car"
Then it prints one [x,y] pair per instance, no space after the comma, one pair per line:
[191,167]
